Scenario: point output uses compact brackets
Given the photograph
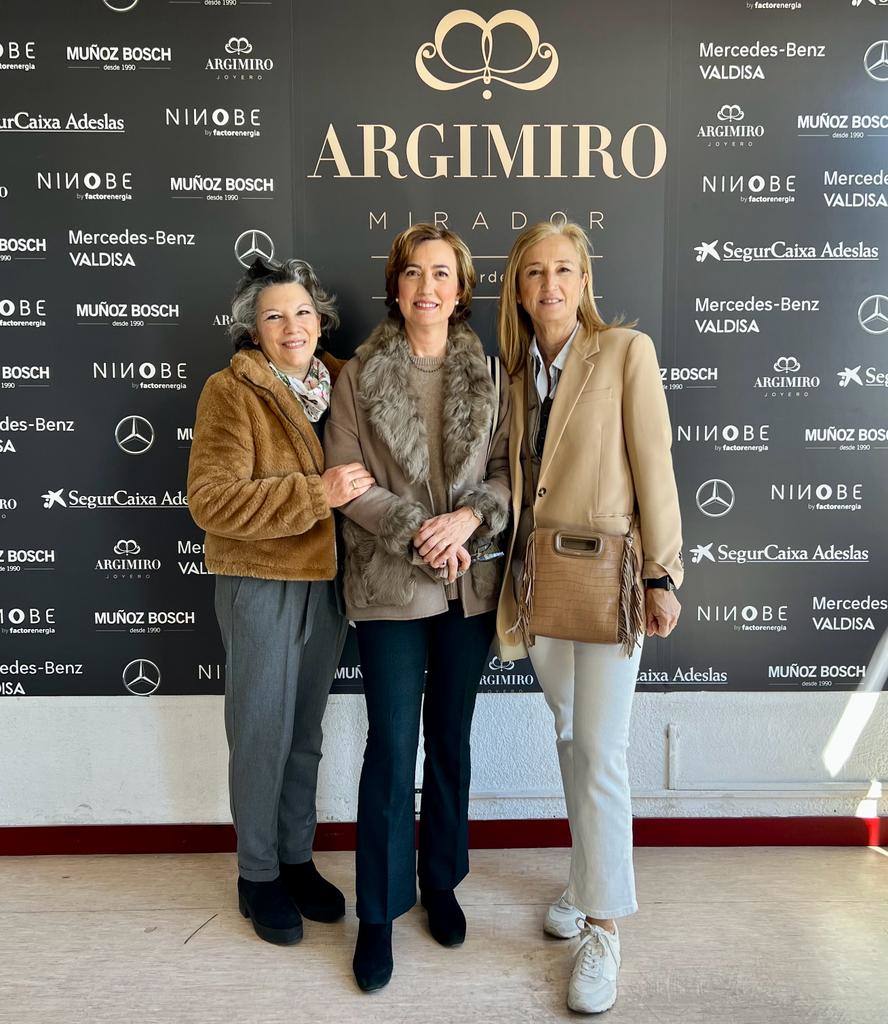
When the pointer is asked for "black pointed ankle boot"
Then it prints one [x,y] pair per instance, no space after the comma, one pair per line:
[373,963]
[447,922]
[316,898]
[271,910]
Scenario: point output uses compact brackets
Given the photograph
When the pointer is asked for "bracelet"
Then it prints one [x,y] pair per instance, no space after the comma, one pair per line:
[478,515]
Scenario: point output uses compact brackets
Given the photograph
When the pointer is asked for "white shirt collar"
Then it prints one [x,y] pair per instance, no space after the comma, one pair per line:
[541,378]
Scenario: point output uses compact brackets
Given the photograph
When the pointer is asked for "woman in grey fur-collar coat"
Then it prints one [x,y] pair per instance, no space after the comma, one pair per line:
[418,406]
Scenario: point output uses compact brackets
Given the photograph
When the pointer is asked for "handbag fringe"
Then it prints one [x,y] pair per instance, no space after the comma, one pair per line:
[632,614]
[525,598]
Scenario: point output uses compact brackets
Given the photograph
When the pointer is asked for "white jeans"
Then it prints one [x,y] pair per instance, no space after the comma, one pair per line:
[589,688]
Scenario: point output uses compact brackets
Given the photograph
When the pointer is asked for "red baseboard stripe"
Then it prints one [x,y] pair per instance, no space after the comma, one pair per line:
[515,834]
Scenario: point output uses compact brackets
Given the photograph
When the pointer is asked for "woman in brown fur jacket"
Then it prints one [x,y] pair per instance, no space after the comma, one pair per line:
[419,408]
[257,485]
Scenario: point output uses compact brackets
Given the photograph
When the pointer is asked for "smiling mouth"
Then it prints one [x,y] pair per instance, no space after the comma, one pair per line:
[549,302]
[424,304]
[293,343]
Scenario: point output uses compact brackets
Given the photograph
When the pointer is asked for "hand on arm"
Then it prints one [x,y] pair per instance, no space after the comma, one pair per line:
[439,538]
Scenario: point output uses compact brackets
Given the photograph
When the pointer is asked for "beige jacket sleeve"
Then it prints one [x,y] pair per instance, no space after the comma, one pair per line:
[648,434]
[223,497]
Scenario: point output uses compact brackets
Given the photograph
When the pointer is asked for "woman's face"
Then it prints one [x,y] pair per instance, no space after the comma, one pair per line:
[428,286]
[550,282]
[287,327]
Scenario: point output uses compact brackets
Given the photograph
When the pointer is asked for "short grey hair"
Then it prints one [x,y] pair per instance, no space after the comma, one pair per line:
[259,277]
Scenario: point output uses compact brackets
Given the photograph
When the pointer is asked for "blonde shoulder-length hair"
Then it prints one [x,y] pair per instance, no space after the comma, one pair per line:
[514,326]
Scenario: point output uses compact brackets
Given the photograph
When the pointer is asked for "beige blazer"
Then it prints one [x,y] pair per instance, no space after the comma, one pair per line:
[607,457]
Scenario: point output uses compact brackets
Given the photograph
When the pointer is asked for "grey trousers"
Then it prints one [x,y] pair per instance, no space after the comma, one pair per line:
[282,642]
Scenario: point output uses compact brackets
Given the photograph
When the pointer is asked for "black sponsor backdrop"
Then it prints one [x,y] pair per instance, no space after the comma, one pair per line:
[701,154]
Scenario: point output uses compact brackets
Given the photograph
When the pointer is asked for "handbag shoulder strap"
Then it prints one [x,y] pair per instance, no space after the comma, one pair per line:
[494,366]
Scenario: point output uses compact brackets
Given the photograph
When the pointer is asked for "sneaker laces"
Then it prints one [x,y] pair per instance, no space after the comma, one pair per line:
[593,951]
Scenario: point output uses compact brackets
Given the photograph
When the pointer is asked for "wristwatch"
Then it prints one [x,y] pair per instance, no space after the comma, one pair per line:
[660,583]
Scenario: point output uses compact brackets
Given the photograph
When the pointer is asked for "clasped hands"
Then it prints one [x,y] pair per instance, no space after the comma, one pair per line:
[440,542]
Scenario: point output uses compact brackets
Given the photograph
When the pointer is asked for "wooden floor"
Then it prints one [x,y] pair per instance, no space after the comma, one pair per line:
[741,936]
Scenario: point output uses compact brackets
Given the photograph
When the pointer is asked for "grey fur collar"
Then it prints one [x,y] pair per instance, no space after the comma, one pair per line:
[469,397]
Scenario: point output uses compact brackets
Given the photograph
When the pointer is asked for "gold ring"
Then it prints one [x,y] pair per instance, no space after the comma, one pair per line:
[353,485]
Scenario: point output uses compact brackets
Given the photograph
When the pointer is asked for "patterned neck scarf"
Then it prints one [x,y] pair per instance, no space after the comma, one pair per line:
[313,393]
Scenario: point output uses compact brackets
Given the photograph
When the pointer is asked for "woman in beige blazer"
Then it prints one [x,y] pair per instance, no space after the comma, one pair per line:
[589,451]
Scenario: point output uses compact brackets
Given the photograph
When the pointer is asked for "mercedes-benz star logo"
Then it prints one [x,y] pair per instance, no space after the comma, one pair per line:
[251,245]
[875,60]
[120,6]
[141,677]
[134,435]
[715,498]
[873,314]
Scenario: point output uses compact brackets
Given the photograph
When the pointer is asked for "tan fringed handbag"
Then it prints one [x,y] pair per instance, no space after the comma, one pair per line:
[581,586]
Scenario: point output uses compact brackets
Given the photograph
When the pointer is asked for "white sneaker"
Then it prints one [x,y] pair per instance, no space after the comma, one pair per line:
[562,920]
[593,980]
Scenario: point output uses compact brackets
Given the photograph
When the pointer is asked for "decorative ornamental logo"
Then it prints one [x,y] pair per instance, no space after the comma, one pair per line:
[487,72]
[238,45]
[141,677]
[126,547]
[872,314]
[250,245]
[498,665]
[715,498]
[730,112]
[787,364]
[875,60]
[134,435]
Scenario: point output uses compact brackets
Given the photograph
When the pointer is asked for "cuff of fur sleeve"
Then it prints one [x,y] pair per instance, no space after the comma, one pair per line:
[397,525]
[484,499]
[317,498]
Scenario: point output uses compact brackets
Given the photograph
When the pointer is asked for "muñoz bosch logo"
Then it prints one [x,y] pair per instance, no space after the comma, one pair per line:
[487,72]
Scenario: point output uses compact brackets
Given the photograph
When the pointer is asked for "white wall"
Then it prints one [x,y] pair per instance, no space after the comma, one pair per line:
[101,760]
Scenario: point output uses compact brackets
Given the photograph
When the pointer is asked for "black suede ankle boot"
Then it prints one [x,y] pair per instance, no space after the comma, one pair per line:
[271,910]
[316,898]
[373,961]
[447,922]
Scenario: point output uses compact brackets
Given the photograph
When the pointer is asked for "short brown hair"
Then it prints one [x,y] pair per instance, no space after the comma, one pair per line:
[401,253]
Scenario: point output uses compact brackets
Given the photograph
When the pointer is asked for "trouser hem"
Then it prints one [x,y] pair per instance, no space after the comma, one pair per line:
[369,919]
[259,874]
[300,857]
[602,915]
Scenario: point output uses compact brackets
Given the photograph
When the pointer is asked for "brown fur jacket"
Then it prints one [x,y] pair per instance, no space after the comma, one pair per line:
[254,477]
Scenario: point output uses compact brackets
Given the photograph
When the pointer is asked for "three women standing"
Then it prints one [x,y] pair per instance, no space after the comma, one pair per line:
[590,455]
[429,461]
